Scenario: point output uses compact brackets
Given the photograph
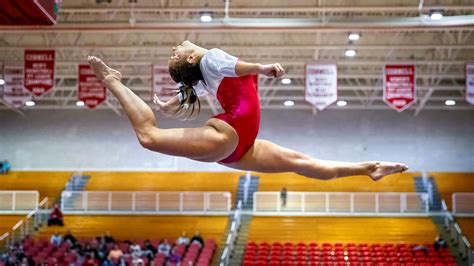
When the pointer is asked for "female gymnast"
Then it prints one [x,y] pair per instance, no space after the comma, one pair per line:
[228,138]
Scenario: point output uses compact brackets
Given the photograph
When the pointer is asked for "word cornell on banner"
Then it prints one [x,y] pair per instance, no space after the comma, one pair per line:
[13,91]
[321,85]
[39,71]
[470,83]
[90,90]
[399,89]
[163,85]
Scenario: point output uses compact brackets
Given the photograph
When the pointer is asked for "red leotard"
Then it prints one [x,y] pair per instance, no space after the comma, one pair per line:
[238,97]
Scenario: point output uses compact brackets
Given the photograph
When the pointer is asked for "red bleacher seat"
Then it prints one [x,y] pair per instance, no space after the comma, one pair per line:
[274,263]
[327,263]
[246,263]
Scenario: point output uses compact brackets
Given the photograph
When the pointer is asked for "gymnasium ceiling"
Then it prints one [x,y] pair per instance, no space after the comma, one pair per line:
[133,36]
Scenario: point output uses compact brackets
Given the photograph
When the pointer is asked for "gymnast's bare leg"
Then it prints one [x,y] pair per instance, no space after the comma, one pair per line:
[268,157]
[213,142]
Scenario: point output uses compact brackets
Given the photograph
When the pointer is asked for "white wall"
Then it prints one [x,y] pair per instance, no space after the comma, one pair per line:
[101,140]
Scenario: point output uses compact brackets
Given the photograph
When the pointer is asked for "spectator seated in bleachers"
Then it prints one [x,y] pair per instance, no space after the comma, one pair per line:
[149,250]
[4,167]
[56,216]
[183,239]
[197,239]
[115,254]
[174,256]
[26,262]
[105,238]
[91,260]
[108,238]
[422,248]
[439,243]
[69,238]
[56,239]
[102,251]
[283,196]
[136,253]
[164,248]
[88,251]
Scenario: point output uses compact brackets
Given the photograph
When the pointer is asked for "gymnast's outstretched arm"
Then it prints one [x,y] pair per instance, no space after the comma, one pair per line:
[271,70]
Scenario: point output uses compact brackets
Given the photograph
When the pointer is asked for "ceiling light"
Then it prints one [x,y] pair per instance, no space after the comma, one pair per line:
[350,53]
[30,103]
[289,103]
[341,103]
[354,36]
[450,102]
[286,81]
[436,15]
[206,16]
[2,82]
[79,103]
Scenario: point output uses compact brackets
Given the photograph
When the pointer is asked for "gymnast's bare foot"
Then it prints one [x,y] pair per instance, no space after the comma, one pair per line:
[381,169]
[102,71]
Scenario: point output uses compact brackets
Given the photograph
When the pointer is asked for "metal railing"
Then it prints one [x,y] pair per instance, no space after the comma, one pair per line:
[74,181]
[130,202]
[462,203]
[32,221]
[231,237]
[456,235]
[342,202]
[18,201]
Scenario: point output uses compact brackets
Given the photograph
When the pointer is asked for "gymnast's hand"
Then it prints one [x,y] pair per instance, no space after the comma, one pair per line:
[272,70]
[164,107]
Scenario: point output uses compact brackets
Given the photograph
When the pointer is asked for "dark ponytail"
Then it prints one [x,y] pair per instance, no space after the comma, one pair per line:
[187,103]
[188,75]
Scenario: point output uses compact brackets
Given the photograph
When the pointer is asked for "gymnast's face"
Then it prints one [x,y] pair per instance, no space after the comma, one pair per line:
[180,53]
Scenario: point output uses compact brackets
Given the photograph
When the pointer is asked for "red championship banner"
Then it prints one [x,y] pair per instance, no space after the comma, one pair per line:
[470,83]
[89,88]
[13,91]
[321,85]
[399,90]
[39,71]
[163,85]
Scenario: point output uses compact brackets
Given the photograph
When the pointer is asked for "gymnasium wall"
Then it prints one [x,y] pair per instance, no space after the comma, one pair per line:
[102,140]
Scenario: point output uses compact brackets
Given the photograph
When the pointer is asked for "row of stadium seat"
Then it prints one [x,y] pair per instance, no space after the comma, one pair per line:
[288,253]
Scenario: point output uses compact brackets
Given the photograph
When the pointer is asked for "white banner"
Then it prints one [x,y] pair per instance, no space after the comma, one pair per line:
[321,85]
[163,85]
[470,83]
[13,91]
